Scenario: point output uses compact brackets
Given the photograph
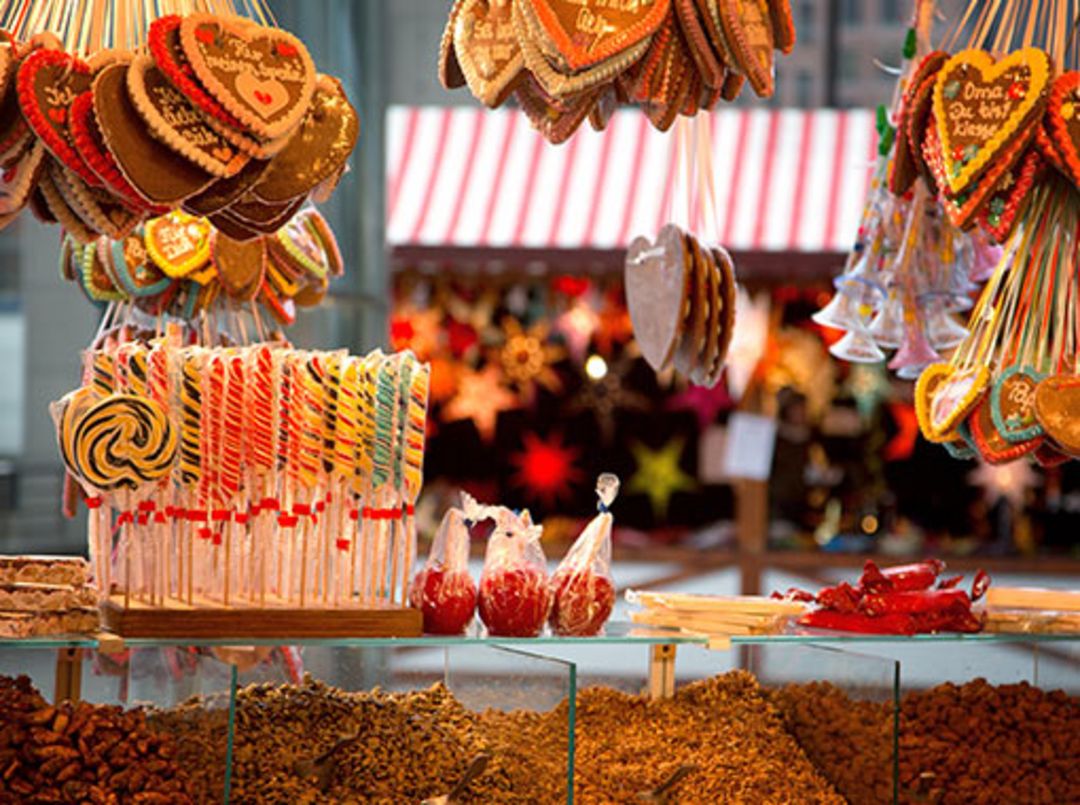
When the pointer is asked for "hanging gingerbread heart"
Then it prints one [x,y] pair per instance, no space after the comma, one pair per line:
[586,32]
[1063,123]
[983,108]
[991,443]
[48,82]
[487,50]
[262,76]
[1057,406]
[174,120]
[915,103]
[178,243]
[944,396]
[749,43]
[1012,403]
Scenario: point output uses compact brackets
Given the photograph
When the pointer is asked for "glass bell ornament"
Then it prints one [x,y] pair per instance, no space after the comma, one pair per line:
[857,346]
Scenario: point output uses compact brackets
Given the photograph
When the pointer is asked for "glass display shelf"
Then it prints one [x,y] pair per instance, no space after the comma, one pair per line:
[615,633]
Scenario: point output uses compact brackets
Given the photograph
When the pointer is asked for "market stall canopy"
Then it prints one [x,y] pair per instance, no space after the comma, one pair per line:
[789,180]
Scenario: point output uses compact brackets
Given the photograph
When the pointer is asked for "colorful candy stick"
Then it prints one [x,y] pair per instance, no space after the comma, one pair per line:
[415,440]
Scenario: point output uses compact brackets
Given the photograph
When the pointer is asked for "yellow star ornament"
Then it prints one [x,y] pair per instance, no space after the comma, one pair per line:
[659,475]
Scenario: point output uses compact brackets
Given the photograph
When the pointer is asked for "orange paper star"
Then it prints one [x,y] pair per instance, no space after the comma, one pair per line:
[481,398]
[527,358]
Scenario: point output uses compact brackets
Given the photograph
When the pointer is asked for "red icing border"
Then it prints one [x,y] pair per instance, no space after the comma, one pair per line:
[24,85]
[1031,165]
[181,75]
[1065,149]
[101,162]
[978,436]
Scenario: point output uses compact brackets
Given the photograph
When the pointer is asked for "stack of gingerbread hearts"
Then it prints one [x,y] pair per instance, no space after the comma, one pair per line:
[984,132]
[178,265]
[681,297]
[222,117]
[568,60]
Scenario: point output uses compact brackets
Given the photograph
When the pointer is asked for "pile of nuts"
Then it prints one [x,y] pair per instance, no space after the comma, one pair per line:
[401,747]
[723,726]
[200,729]
[849,740]
[958,743]
[79,752]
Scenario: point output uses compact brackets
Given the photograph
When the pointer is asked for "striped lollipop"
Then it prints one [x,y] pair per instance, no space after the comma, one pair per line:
[191,405]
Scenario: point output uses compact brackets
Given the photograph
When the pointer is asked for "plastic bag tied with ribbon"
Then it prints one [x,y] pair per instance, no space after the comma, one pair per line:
[514,593]
[583,590]
[443,590]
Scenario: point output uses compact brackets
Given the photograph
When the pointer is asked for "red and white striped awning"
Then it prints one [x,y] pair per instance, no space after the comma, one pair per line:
[786,179]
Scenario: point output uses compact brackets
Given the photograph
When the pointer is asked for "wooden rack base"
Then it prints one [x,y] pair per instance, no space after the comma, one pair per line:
[213,621]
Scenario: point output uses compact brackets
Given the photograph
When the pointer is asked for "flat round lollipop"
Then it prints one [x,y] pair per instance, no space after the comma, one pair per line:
[657,287]
[123,441]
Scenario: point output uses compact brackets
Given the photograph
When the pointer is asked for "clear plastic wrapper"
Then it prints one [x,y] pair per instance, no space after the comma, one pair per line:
[514,593]
[443,590]
[582,588]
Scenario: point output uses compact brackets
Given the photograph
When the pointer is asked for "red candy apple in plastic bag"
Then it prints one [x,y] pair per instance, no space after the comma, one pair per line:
[583,591]
[443,590]
[514,595]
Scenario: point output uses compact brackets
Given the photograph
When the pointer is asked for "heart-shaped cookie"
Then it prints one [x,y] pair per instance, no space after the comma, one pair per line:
[241,265]
[295,244]
[1001,209]
[320,229]
[1057,406]
[99,209]
[449,70]
[585,34]
[658,285]
[19,181]
[982,108]
[175,121]
[178,243]
[692,21]
[155,171]
[487,49]
[132,268]
[61,212]
[47,83]
[748,38]
[1049,456]
[991,443]
[955,397]
[263,76]
[318,148]
[1047,149]
[163,40]
[91,146]
[915,105]
[1012,403]
[1063,122]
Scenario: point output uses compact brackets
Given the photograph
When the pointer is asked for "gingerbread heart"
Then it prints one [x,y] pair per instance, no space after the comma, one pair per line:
[748,37]
[47,83]
[178,243]
[241,265]
[487,49]
[1057,406]
[19,181]
[1063,122]
[91,146]
[692,21]
[296,244]
[944,396]
[1002,207]
[224,192]
[982,108]
[133,270]
[1012,403]
[586,33]
[175,121]
[262,76]
[991,443]
[449,70]
[658,287]
[317,150]
[911,122]
[155,171]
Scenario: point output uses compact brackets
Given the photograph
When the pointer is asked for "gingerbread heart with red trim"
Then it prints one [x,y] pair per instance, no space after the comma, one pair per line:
[1001,209]
[586,34]
[48,82]
[989,441]
[263,76]
[1063,123]
[918,93]
[983,107]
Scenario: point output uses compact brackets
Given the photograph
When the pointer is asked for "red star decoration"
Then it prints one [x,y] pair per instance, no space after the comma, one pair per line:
[546,469]
[461,337]
[902,445]
[706,403]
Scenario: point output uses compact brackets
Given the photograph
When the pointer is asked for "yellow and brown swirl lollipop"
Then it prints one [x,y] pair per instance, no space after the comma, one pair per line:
[123,442]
